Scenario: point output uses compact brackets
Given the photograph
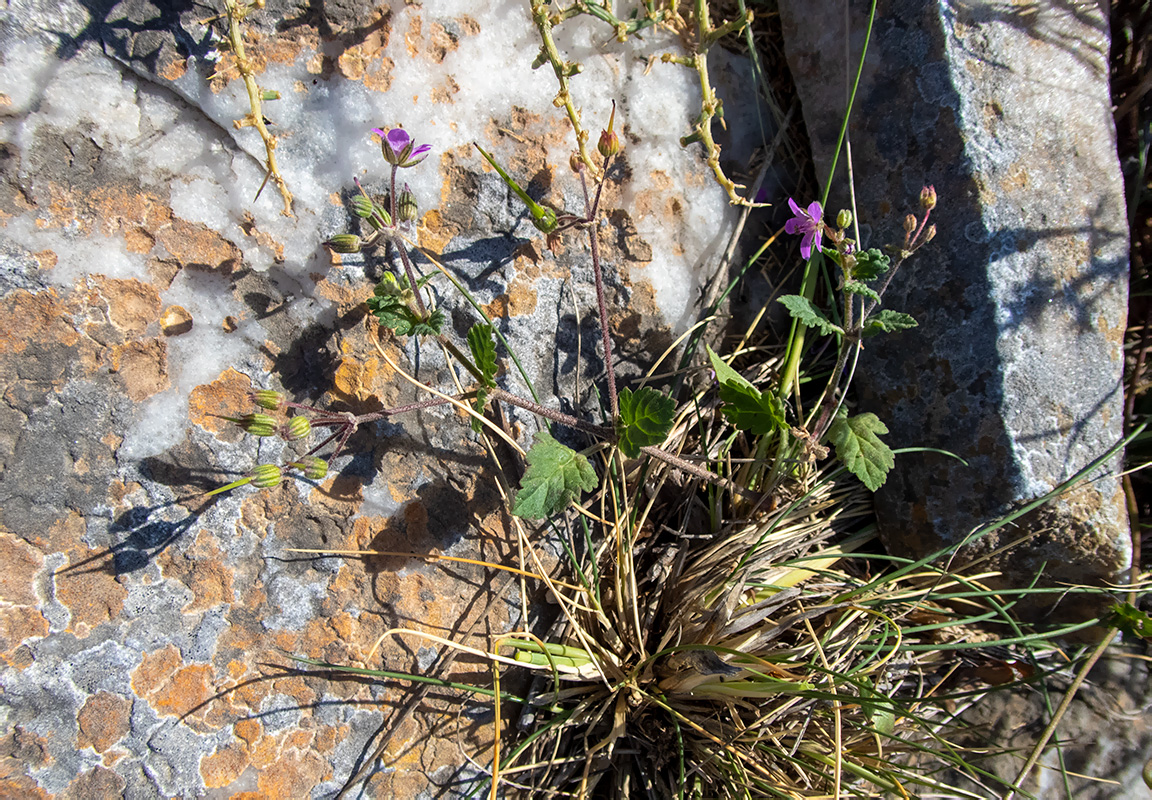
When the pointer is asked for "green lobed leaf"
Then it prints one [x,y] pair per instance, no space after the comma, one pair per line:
[431,326]
[858,446]
[555,475]
[478,404]
[483,348]
[645,419]
[888,321]
[392,312]
[870,264]
[745,406]
[1131,620]
[856,287]
[805,311]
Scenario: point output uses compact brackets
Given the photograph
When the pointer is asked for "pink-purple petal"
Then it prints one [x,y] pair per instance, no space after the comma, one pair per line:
[795,208]
[398,139]
[815,211]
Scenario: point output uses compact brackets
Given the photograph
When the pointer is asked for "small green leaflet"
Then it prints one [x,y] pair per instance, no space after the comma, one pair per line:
[1131,620]
[856,287]
[556,474]
[483,349]
[805,311]
[858,446]
[870,264]
[744,405]
[645,419]
[888,321]
[484,355]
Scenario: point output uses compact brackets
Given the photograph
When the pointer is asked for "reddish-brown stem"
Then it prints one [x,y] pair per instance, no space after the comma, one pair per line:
[591,208]
[700,472]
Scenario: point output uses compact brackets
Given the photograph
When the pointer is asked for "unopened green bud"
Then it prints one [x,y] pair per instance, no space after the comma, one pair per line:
[909,223]
[930,234]
[259,424]
[344,243]
[362,206]
[406,207]
[928,198]
[270,95]
[315,468]
[844,218]
[269,399]
[266,476]
[297,428]
[609,144]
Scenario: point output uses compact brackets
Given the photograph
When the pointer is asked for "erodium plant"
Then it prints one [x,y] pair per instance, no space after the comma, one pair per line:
[638,420]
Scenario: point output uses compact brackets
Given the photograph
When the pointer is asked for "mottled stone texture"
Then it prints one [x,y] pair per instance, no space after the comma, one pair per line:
[1021,298]
[144,627]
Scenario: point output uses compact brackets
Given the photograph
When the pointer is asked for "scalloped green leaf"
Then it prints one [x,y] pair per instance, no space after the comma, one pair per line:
[870,264]
[431,326]
[745,406]
[645,419]
[859,448]
[804,310]
[556,474]
[888,321]
[483,348]
[857,287]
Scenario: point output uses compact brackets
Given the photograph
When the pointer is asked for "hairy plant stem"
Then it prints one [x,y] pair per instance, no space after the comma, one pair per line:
[593,238]
[602,431]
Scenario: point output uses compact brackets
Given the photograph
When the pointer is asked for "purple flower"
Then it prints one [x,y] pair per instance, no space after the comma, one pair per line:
[810,223]
[399,149]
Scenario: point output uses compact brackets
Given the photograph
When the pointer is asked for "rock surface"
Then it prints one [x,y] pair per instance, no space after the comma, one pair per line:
[1021,298]
[144,293]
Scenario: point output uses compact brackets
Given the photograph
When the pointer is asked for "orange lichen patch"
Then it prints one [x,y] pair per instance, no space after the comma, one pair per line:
[248,731]
[40,318]
[154,669]
[227,396]
[174,69]
[443,93]
[132,305]
[17,625]
[293,776]
[20,618]
[263,238]
[355,379]
[328,737]
[175,321]
[103,721]
[125,210]
[99,783]
[442,41]
[93,595]
[21,751]
[19,564]
[144,367]
[265,753]
[223,767]
[182,691]
[434,233]
[209,580]
[195,245]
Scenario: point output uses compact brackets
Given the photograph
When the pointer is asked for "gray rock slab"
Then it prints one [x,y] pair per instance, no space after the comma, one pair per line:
[137,619]
[1022,297]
